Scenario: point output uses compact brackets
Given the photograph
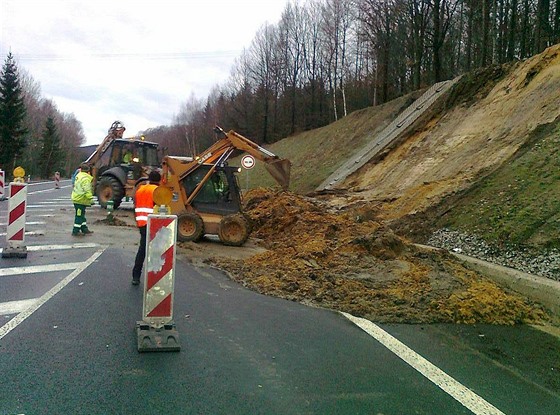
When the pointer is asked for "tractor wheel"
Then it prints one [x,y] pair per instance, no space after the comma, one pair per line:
[109,188]
[234,230]
[190,227]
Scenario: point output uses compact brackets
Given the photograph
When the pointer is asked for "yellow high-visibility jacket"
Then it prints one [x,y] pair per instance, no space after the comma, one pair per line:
[82,193]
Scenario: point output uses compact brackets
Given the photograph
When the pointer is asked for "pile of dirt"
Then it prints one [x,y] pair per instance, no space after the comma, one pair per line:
[346,260]
[111,222]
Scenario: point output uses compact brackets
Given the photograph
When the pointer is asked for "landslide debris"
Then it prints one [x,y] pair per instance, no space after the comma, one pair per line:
[345,260]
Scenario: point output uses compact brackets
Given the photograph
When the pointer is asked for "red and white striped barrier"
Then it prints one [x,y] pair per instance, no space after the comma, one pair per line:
[2,178]
[157,331]
[57,180]
[15,234]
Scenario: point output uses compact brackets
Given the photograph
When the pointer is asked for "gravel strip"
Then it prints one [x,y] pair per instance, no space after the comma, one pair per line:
[543,263]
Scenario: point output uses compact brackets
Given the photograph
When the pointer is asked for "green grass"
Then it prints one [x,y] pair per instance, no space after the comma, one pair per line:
[519,203]
[316,154]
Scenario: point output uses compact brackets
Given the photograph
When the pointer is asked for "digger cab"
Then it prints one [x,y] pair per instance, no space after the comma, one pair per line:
[216,208]
[219,195]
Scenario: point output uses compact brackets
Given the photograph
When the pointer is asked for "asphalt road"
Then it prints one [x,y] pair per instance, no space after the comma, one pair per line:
[68,344]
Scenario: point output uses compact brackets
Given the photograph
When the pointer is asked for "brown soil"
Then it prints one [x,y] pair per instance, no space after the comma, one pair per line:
[340,258]
[347,261]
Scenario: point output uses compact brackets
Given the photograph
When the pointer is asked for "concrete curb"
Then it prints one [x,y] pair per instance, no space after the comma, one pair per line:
[540,289]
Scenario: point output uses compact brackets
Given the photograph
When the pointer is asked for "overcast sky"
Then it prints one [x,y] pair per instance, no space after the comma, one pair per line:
[135,61]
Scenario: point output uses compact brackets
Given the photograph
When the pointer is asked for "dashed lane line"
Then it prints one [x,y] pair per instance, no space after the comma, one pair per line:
[456,390]
[42,207]
[52,189]
[27,223]
[34,269]
[14,307]
[30,233]
[17,320]
[37,248]
[56,202]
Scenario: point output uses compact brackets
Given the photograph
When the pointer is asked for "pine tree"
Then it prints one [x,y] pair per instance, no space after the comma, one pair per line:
[12,115]
[51,154]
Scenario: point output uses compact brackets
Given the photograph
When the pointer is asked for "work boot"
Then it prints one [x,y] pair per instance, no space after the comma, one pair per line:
[87,232]
[135,282]
[77,234]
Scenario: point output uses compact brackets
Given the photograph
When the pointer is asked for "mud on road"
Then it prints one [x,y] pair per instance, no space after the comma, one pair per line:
[304,250]
[345,260]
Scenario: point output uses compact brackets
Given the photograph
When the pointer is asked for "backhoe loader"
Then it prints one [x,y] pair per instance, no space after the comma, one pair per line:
[117,163]
[206,193]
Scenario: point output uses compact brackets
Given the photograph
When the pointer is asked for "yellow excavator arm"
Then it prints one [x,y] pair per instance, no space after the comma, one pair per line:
[222,150]
[115,131]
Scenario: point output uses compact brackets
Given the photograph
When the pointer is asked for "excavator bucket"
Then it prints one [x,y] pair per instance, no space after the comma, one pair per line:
[280,171]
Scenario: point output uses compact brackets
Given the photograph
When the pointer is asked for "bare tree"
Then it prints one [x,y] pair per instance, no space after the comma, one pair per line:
[263,71]
[326,58]
[335,27]
[542,29]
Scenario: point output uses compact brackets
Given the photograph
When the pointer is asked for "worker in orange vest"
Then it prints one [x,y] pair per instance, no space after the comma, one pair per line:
[143,206]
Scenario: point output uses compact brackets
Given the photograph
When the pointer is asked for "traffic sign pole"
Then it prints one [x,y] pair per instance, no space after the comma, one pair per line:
[246,180]
[248,162]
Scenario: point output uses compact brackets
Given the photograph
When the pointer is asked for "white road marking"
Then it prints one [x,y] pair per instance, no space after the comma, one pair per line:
[37,248]
[17,320]
[6,272]
[39,206]
[55,202]
[456,390]
[47,190]
[14,307]
[26,223]
[30,233]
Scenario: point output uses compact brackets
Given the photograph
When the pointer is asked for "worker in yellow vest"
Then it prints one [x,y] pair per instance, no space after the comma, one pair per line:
[82,197]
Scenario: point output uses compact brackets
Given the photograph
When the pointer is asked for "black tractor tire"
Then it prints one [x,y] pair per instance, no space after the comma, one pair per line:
[109,188]
[234,230]
[190,227]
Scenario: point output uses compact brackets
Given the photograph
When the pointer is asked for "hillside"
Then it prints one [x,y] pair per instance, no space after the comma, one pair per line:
[482,161]
[486,156]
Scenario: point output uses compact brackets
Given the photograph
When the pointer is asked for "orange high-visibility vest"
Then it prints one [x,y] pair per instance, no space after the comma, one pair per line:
[144,203]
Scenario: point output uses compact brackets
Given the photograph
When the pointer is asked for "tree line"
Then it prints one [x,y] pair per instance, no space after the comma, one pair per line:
[326,58]
[321,61]
[34,134]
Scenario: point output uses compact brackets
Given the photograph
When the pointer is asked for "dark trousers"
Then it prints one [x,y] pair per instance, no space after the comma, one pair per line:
[80,223]
[140,255]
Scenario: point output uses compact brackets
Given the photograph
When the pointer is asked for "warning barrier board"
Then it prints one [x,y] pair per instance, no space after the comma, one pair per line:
[160,269]
[15,234]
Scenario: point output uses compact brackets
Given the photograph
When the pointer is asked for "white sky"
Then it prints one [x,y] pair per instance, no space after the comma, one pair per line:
[135,61]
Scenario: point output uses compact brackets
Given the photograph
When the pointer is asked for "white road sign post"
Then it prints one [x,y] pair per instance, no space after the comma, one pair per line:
[248,162]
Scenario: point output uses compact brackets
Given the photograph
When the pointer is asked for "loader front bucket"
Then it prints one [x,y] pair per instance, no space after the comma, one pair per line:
[280,171]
